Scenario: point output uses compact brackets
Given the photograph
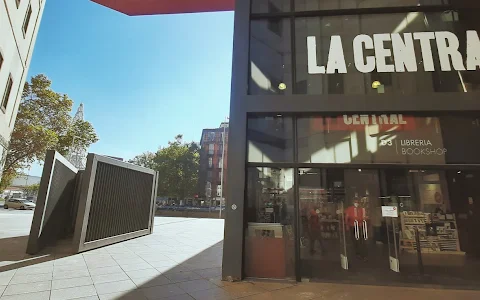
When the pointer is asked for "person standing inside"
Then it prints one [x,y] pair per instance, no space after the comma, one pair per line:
[355,216]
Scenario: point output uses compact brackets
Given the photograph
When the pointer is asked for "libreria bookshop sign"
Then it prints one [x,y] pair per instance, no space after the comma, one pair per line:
[402,52]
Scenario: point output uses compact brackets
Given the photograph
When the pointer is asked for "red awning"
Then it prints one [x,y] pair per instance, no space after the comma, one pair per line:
[158,7]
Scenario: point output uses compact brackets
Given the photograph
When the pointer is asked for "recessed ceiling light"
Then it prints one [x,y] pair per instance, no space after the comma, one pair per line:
[282,86]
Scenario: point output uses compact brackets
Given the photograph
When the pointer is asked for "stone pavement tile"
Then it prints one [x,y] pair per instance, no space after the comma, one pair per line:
[24,288]
[242,289]
[97,279]
[102,263]
[272,285]
[179,297]
[68,261]
[145,282]
[209,273]
[162,291]
[270,296]
[30,271]
[96,257]
[70,274]
[309,291]
[2,288]
[152,273]
[69,268]
[6,276]
[196,285]
[105,270]
[165,264]
[212,294]
[87,298]
[181,276]
[132,295]
[31,296]
[115,287]
[135,267]
[31,278]
[219,282]
[73,293]
[71,282]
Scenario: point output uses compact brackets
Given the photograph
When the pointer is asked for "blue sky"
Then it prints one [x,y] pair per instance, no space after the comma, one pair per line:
[142,79]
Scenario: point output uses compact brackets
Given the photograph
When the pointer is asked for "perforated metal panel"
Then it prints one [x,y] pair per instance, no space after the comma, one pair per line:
[117,202]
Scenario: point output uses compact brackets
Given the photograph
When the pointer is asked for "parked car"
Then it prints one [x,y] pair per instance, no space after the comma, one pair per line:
[17,203]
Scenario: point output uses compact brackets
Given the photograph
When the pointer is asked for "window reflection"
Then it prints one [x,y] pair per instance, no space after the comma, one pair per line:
[270,6]
[270,139]
[306,5]
[269,237]
[270,56]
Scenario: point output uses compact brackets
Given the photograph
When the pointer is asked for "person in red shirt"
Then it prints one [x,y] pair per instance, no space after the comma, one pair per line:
[355,217]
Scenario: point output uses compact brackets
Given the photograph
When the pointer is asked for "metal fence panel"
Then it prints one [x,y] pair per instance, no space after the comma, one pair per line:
[117,202]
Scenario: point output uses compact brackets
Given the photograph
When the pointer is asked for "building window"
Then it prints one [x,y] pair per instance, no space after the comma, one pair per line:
[311,5]
[270,6]
[210,162]
[26,22]
[6,95]
[220,163]
[18,3]
[209,175]
[211,148]
[270,139]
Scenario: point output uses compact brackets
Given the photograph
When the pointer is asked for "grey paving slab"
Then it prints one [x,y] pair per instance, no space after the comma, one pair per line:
[97,279]
[2,289]
[179,297]
[149,281]
[211,294]
[105,270]
[133,295]
[6,276]
[71,282]
[143,273]
[87,298]
[30,271]
[196,285]
[182,276]
[24,288]
[69,268]
[102,264]
[135,267]
[70,274]
[73,293]
[115,287]
[19,278]
[162,291]
[45,295]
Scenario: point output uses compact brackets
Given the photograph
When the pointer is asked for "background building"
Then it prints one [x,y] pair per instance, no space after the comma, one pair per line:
[19,23]
[211,162]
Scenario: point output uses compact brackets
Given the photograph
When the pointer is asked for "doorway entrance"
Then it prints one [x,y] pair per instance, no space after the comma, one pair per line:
[365,225]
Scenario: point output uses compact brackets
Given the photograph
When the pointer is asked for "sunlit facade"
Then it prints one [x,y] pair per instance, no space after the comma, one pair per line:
[358,133]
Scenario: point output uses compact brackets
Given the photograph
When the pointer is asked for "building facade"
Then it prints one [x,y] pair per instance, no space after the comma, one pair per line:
[19,23]
[354,142]
[213,164]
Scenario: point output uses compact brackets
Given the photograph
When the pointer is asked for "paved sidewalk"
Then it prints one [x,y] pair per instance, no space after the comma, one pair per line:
[181,260]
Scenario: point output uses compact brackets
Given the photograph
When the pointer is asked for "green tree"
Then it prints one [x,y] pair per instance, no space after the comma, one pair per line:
[177,166]
[146,160]
[32,190]
[43,122]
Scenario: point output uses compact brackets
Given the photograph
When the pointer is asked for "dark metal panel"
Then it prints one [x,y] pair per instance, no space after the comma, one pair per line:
[428,102]
[52,219]
[233,241]
[116,203]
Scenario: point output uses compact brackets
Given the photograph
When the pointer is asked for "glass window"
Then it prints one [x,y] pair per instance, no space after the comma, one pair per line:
[354,47]
[8,91]
[270,139]
[211,148]
[392,138]
[270,57]
[270,6]
[26,22]
[210,162]
[306,5]
[270,215]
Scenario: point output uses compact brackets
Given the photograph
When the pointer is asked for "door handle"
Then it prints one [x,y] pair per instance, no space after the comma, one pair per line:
[365,230]
[357,230]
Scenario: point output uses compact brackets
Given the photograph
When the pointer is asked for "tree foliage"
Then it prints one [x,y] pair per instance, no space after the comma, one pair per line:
[32,190]
[43,123]
[177,165]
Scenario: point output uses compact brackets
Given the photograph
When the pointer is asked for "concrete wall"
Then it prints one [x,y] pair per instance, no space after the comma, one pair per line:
[16,49]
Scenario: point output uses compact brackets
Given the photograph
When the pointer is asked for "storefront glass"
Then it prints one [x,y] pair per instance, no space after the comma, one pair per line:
[270,217]
[407,53]
[308,5]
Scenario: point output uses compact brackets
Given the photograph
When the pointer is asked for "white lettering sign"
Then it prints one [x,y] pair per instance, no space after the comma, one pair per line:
[400,57]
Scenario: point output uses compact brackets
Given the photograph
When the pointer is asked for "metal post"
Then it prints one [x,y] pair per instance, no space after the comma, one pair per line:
[223,164]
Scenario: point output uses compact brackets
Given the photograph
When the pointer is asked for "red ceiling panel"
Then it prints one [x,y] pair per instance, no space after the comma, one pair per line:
[158,7]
